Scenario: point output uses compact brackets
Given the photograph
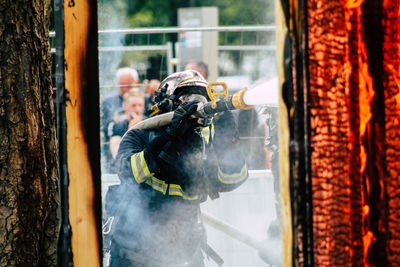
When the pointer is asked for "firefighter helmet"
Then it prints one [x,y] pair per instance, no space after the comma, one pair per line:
[179,86]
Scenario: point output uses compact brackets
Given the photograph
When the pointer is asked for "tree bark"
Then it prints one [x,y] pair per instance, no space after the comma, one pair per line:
[28,155]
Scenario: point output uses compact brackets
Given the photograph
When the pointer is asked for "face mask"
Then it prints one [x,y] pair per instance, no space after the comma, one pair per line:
[192,97]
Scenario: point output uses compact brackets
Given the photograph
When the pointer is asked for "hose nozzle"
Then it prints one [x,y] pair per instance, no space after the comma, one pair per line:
[237,100]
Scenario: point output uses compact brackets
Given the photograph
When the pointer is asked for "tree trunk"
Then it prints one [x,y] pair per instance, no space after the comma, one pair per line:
[28,158]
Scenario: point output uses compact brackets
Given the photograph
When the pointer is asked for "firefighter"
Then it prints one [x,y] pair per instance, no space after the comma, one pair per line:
[166,173]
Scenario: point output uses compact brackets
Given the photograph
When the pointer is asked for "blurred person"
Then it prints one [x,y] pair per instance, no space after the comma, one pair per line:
[126,79]
[199,66]
[271,147]
[165,173]
[133,109]
[151,87]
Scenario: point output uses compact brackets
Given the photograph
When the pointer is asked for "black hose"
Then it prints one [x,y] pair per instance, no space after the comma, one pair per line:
[222,105]
[164,119]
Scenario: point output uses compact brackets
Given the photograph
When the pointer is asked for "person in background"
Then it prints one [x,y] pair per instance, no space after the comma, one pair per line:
[199,66]
[126,79]
[151,87]
[165,173]
[133,109]
[271,146]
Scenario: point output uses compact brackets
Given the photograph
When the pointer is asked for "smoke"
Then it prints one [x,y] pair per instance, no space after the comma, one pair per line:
[166,226]
[111,15]
[160,231]
[245,206]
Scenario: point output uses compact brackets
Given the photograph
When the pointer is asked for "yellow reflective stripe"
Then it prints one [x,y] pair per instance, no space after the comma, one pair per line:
[234,177]
[141,173]
[135,168]
[139,167]
[195,197]
[157,184]
[176,190]
[144,165]
[205,133]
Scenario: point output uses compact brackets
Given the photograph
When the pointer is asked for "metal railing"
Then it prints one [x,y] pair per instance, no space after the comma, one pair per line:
[168,46]
[244,28]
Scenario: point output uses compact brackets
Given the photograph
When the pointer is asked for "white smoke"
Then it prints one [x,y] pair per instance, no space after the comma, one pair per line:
[110,16]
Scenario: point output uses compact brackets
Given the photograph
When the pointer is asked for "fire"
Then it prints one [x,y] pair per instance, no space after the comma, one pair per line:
[368,238]
[359,80]
[366,95]
[354,100]
[391,65]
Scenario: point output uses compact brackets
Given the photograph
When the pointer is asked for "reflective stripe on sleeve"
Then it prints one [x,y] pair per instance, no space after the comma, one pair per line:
[157,184]
[234,177]
[139,167]
[141,173]
[176,190]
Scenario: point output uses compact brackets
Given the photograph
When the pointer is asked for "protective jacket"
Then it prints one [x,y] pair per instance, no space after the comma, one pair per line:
[161,222]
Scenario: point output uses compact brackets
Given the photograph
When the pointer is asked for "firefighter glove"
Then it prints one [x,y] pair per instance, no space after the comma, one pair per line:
[181,123]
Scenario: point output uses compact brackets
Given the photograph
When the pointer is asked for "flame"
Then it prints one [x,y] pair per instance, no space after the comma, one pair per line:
[363,157]
[369,183]
[358,73]
[366,95]
[366,90]
[368,238]
[365,210]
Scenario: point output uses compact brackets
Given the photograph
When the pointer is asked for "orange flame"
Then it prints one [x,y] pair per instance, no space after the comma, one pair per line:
[368,238]
[353,14]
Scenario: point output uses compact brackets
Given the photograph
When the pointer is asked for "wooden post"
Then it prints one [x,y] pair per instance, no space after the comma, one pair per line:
[286,220]
[344,99]
[83,139]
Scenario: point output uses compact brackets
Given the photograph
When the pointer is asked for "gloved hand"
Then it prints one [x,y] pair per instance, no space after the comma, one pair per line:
[225,125]
[181,124]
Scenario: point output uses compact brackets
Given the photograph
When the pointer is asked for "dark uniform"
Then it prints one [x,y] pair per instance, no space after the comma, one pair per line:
[109,107]
[163,181]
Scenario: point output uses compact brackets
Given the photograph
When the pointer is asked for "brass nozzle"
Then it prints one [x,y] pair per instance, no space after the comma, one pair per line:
[237,100]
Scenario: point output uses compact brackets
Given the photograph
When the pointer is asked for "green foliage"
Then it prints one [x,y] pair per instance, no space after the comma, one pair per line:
[161,13]
[246,12]
[154,13]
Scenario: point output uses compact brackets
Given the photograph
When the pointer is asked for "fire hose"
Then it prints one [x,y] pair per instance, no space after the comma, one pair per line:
[269,250]
[207,109]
